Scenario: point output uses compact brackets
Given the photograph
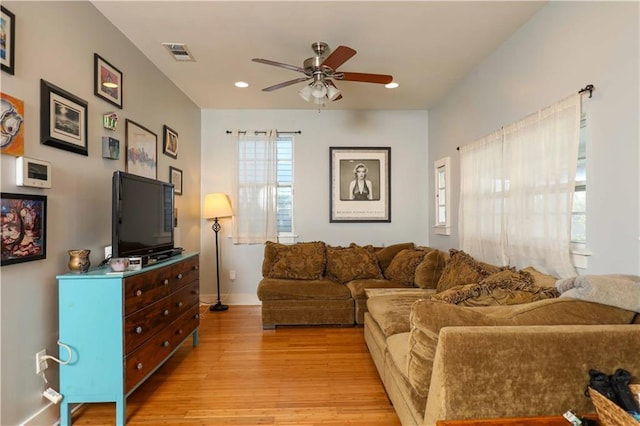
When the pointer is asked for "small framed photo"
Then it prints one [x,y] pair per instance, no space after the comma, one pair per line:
[63,119]
[107,81]
[170,145]
[360,181]
[24,227]
[175,177]
[142,146]
[7,40]
[12,135]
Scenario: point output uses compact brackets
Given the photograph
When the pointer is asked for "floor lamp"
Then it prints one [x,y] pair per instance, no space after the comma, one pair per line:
[217,206]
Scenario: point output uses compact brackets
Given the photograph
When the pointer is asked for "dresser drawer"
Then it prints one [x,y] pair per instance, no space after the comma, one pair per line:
[185,324]
[146,322]
[185,298]
[143,360]
[185,273]
[142,289]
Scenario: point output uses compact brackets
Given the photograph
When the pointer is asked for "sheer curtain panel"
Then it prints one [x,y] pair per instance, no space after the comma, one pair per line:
[517,188]
[255,187]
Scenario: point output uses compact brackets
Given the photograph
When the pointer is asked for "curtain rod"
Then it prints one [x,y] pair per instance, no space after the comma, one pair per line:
[297,132]
[588,88]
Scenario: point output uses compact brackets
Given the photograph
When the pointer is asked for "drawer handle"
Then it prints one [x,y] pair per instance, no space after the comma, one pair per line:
[179,276]
[179,304]
[165,282]
[165,312]
[195,268]
[196,316]
[179,332]
[139,366]
[139,329]
[139,293]
[165,344]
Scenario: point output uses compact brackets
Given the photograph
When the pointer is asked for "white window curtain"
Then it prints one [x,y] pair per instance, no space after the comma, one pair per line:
[520,181]
[255,187]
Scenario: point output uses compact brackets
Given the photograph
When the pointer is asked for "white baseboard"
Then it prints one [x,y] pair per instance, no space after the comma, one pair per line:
[232,299]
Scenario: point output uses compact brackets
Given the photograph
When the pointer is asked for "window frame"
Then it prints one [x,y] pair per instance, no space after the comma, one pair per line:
[442,167]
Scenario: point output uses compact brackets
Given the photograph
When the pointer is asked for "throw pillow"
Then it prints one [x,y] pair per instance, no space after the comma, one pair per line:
[462,269]
[429,270]
[403,266]
[270,256]
[507,287]
[301,261]
[345,264]
[540,279]
[386,254]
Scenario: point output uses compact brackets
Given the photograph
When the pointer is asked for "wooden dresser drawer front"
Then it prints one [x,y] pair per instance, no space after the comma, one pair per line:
[146,322]
[184,326]
[185,298]
[185,272]
[143,289]
[143,360]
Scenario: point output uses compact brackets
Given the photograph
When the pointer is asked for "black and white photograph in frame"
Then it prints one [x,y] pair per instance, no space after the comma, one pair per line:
[63,119]
[7,40]
[175,177]
[360,184]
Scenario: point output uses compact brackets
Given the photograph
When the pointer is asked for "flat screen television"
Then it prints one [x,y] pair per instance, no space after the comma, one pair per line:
[142,217]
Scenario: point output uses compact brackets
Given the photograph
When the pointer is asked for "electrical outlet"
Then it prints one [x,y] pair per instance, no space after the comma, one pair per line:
[232,275]
[41,362]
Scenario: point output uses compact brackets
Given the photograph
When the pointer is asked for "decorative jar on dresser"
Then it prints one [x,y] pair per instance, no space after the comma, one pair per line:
[121,327]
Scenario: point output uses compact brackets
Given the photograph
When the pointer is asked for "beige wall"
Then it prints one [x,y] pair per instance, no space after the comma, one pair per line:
[56,41]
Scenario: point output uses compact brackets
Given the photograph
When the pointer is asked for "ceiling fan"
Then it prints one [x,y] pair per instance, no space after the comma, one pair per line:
[323,69]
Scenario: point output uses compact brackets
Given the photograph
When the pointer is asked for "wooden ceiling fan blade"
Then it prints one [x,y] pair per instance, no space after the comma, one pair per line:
[366,78]
[338,57]
[285,84]
[279,64]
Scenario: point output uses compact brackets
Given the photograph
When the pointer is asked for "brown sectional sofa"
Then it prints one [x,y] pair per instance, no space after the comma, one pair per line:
[453,338]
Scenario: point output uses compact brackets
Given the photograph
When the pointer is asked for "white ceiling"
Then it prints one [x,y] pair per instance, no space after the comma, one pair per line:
[426,45]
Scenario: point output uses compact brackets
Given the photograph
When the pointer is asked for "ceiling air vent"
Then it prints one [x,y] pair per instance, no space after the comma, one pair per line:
[179,52]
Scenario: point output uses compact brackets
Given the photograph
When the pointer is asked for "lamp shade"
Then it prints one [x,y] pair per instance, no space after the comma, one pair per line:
[216,205]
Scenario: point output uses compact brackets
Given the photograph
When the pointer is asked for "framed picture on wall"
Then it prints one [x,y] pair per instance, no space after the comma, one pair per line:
[63,119]
[107,81]
[170,142]
[8,40]
[175,177]
[24,227]
[141,146]
[360,184]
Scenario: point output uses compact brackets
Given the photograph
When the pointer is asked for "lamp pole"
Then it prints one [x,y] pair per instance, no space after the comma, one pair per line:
[218,306]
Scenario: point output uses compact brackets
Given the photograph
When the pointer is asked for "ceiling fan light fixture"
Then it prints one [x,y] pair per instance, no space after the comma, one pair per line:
[318,89]
[332,92]
[305,93]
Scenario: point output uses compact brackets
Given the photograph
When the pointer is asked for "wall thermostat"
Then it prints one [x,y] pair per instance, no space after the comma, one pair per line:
[32,172]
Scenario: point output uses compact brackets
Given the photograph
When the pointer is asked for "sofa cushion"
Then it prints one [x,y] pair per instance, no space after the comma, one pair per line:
[285,289]
[386,254]
[391,310]
[403,266]
[358,287]
[428,272]
[301,261]
[462,269]
[428,317]
[351,263]
[507,287]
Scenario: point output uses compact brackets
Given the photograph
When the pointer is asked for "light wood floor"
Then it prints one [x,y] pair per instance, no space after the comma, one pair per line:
[243,375]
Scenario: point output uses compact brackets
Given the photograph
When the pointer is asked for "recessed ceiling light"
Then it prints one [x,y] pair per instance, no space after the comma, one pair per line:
[391,85]
[241,84]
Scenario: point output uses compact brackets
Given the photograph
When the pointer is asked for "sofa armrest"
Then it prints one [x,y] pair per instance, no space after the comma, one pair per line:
[516,371]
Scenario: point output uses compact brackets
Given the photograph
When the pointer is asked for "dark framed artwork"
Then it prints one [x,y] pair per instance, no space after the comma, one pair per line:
[175,177]
[7,40]
[24,227]
[141,147]
[63,119]
[360,184]
[107,81]
[170,142]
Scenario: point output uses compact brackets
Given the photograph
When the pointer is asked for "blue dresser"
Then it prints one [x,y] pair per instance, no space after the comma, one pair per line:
[121,327]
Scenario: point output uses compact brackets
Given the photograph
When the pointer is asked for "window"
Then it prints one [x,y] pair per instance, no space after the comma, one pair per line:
[442,206]
[284,193]
[579,208]
[263,188]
